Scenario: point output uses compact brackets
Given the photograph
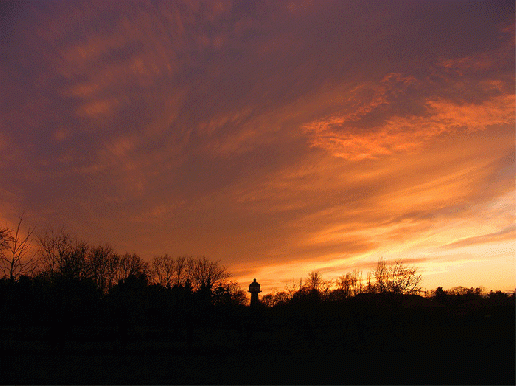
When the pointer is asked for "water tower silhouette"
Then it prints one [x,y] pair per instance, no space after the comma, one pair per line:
[254,289]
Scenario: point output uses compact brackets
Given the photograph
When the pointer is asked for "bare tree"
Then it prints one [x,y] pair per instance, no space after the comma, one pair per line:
[61,254]
[396,278]
[181,273]
[3,238]
[382,276]
[204,274]
[130,265]
[229,293]
[101,266]
[15,259]
[162,270]
[168,271]
[349,284]
[314,282]
[268,300]
[344,284]
[272,300]
[313,287]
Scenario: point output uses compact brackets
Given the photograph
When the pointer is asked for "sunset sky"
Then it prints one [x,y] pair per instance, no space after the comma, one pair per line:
[278,137]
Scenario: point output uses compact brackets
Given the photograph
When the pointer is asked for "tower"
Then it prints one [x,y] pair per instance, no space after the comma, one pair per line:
[254,289]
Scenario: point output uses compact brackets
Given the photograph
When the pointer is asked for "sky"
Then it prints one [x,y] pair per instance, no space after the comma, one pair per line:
[277,137]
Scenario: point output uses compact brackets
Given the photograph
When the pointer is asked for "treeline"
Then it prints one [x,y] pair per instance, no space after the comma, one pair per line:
[65,285]
[395,279]
[59,255]
[87,301]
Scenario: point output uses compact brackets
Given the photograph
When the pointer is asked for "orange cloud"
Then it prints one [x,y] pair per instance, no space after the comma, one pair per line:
[341,136]
[277,137]
[507,234]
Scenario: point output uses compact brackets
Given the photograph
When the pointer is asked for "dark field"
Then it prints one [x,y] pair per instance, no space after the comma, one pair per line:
[335,344]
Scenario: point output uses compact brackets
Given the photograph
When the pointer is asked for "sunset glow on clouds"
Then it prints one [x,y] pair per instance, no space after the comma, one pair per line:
[276,137]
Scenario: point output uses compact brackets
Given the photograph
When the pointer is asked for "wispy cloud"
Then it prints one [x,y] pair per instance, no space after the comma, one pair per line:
[277,137]
[373,126]
[507,234]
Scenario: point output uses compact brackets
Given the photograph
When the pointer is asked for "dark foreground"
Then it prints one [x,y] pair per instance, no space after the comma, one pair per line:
[331,346]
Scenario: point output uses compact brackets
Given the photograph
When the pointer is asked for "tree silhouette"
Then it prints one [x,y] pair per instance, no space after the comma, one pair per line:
[204,274]
[62,255]
[90,299]
[101,266]
[278,298]
[168,271]
[440,295]
[130,265]
[15,259]
[349,284]
[229,294]
[396,278]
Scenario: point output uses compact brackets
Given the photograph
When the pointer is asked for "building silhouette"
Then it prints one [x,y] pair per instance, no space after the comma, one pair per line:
[254,289]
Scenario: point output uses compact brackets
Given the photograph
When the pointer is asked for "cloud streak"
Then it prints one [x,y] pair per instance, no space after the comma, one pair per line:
[274,136]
